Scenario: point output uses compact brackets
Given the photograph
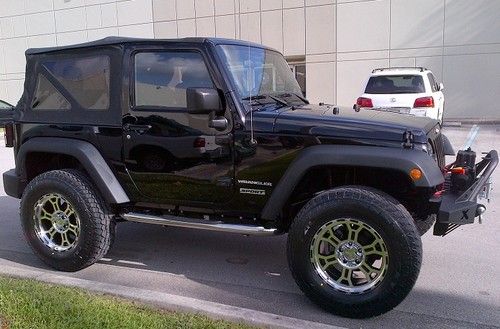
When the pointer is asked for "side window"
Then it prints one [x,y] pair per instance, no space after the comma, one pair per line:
[161,78]
[47,97]
[86,79]
[433,83]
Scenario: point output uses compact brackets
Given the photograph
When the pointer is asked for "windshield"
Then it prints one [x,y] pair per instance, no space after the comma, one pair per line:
[395,84]
[256,71]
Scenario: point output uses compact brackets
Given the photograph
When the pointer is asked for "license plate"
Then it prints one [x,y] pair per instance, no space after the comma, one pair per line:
[402,110]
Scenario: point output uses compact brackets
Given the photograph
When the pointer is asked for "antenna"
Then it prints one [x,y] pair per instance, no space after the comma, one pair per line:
[250,83]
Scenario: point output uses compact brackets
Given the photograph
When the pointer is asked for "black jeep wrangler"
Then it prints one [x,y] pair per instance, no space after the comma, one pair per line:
[215,134]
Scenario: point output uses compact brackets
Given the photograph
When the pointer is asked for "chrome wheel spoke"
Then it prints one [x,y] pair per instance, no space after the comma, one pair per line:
[329,260]
[56,222]
[333,238]
[64,239]
[73,229]
[349,255]
[54,201]
[51,233]
[69,210]
[353,233]
[332,241]
[346,275]
[371,249]
[44,214]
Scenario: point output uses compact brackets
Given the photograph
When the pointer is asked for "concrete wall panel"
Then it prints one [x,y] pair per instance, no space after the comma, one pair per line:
[355,33]
[416,23]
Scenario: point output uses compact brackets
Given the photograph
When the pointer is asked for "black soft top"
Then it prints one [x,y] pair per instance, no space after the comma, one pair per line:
[107,55]
[113,41]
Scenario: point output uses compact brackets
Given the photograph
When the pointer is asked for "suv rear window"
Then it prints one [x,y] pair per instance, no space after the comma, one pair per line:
[86,79]
[395,84]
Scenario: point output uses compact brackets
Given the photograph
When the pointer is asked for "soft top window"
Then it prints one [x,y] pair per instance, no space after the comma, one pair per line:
[86,79]
[395,84]
[47,97]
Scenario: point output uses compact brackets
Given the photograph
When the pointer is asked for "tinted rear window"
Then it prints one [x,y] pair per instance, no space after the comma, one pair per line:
[395,84]
[47,97]
[86,79]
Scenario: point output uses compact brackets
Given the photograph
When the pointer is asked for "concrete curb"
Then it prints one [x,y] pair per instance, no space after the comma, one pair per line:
[169,301]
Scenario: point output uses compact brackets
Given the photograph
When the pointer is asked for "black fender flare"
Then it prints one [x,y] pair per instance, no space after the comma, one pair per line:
[399,159]
[448,148]
[88,156]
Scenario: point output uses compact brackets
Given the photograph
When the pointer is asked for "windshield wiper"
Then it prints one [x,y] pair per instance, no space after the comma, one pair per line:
[264,96]
[296,95]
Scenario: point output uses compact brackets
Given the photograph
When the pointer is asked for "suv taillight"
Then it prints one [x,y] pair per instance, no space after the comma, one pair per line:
[199,142]
[9,135]
[364,102]
[424,102]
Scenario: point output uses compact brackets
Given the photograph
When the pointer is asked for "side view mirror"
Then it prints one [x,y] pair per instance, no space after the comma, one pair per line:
[202,100]
[441,86]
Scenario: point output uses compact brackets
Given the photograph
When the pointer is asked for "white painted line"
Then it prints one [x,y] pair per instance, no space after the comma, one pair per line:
[129,262]
[169,301]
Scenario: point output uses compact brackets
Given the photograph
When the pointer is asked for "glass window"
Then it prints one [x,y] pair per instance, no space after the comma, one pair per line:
[161,78]
[299,71]
[395,84]
[257,71]
[47,97]
[432,81]
[86,79]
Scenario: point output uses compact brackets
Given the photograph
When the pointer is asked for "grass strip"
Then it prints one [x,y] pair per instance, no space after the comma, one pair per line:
[32,304]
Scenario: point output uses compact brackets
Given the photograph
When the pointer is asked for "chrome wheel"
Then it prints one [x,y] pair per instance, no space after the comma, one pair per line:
[349,255]
[57,224]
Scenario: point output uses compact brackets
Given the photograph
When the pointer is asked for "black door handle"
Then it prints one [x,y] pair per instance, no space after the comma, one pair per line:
[134,127]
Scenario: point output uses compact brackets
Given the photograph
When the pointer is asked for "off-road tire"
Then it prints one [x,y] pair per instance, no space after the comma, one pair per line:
[384,214]
[95,220]
[424,225]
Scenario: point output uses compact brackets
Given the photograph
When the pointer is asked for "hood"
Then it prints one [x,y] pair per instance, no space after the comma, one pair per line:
[320,121]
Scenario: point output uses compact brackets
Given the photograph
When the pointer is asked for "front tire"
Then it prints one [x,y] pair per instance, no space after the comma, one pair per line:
[65,221]
[354,251]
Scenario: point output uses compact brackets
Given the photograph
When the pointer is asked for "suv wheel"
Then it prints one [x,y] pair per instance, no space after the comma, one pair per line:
[65,221]
[354,251]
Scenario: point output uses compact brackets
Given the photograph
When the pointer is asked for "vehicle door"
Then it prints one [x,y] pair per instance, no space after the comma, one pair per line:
[175,157]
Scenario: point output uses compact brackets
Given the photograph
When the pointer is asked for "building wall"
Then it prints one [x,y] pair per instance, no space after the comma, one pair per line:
[340,40]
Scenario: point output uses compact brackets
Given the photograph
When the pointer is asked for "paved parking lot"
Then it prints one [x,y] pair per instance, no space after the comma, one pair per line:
[458,287]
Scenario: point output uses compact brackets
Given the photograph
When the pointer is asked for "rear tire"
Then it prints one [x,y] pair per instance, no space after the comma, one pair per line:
[65,221]
[357,275]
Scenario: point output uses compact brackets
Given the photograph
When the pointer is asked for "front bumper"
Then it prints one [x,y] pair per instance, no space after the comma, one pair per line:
[459,209]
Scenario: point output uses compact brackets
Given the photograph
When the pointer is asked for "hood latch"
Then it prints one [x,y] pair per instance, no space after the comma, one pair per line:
[408,139]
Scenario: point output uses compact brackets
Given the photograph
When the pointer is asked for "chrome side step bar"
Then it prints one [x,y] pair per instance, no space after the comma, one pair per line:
[169,220]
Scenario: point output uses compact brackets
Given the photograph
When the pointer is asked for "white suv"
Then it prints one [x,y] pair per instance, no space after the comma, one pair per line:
[408,90]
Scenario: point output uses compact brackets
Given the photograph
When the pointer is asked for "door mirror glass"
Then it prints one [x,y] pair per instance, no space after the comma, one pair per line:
[202,100]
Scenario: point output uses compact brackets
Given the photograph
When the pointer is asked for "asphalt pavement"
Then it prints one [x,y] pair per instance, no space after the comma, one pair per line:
[458,286]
